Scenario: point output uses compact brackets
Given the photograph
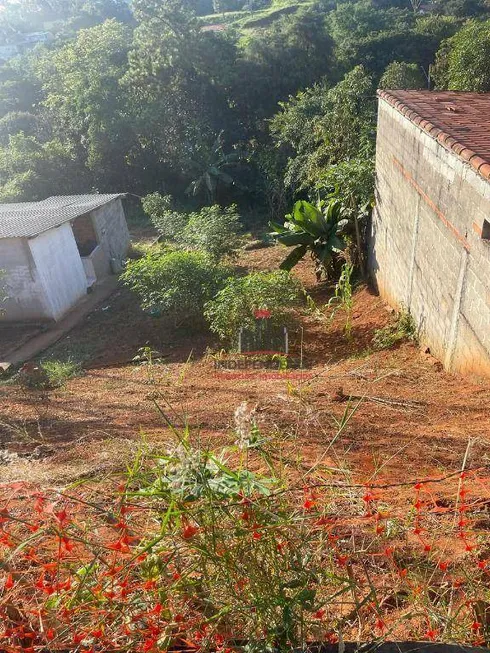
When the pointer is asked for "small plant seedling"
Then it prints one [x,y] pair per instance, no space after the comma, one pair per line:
[343,298]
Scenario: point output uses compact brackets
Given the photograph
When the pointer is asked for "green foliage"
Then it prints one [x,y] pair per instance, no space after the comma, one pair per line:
[318,230]
[403,75]
[47,375]
[59,372]
[276,61]
[168,222]
[189,474]
[463,61]
[402,328]
[462,8]
[235,305]
[176,102]
[82,90]
[30,170]
[213,230]
[351,181]
[131,96]
[343,298]
[214,169]
[175,284]
[324,126]
[20,121]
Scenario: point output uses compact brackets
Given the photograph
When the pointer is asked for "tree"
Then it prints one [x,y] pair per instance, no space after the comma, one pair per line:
[322,126]
[461,8]
[462,63]
[176,83]
[214,170]
[291,54]
[403,75]
[83,94]
[415,5]
[22,121]
[30,170]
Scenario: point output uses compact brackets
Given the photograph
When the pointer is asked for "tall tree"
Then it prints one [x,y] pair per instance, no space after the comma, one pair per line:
[322,127]
[276,62]
[463,62]
[177,82]
[82,92]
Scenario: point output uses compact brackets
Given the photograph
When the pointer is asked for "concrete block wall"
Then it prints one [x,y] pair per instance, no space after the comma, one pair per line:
[112,231]
[426,245]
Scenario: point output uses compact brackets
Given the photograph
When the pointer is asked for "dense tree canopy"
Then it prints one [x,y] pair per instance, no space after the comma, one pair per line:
[463,63]
[256,103]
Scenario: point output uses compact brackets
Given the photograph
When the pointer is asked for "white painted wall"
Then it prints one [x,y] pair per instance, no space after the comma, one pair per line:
[21,282]
[60,268]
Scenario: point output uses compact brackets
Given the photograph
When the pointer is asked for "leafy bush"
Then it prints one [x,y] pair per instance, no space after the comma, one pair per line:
[402,328]
[403,75]
[59,372]
[213,230]
[47,375]
[168,223]
[460,66]
[236,304]
[175,283]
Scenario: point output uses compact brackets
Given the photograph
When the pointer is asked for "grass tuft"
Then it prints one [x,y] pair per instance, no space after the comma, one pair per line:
[403,328]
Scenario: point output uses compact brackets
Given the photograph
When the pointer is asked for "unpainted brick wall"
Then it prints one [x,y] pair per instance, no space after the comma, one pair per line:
[426,246]
[112,231]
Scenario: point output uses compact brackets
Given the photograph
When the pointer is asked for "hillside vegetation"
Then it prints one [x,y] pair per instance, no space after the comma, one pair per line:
[268,104]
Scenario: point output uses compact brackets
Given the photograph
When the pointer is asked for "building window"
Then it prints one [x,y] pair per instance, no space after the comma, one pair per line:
[485,231]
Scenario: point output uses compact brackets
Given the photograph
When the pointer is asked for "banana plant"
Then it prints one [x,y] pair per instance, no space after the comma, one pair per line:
[319,230]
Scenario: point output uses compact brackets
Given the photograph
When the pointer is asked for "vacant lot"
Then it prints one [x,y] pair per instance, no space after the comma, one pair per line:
[409,418]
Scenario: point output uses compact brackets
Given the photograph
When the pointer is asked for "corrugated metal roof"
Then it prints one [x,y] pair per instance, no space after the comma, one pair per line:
[27,219]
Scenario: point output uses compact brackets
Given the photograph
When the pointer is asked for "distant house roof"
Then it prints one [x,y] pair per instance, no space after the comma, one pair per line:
[459,121]
[28,219]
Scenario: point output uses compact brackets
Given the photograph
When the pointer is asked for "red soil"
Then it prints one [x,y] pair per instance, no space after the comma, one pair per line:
[421,426]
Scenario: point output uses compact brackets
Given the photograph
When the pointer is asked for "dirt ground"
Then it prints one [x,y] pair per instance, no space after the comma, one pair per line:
[414,420]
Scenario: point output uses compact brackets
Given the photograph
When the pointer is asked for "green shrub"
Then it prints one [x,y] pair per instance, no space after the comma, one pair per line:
[213,230]
[175,283]
[59,372]
[236,304]
[47,375]
[167,222]
[402,328]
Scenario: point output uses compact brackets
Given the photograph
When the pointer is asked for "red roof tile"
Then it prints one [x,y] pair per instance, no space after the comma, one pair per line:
[459,121]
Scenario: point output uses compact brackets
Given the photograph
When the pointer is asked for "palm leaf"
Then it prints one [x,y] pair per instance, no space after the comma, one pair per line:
[294,258]
[309,218]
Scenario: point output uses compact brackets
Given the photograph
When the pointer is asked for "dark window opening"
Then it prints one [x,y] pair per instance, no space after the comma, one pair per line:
[485,232]
[85,235]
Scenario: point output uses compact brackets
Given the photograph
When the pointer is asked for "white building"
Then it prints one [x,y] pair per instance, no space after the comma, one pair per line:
[52,251]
